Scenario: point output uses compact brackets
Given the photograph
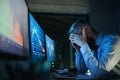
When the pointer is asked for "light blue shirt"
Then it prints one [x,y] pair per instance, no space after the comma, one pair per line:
[107,56]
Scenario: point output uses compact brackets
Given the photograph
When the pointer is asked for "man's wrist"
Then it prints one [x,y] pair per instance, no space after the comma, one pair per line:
[85,48]
[83,44]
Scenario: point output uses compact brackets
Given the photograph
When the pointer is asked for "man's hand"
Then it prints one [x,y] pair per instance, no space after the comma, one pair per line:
[62,70]
[79,40]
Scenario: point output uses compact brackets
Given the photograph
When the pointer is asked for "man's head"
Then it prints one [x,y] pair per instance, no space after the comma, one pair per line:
[77,28]
[79,25]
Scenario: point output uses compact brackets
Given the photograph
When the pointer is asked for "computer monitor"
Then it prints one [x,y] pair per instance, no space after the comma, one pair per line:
[37,37]
[14,28]
[50,48]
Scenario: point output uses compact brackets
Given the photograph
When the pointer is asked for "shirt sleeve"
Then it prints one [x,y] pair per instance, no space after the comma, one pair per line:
[97,67]
[79,62]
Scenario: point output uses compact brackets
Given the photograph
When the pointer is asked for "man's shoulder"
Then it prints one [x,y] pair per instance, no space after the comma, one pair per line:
[110,39]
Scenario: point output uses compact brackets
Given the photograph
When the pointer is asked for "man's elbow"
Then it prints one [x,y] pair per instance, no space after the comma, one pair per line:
[98,74]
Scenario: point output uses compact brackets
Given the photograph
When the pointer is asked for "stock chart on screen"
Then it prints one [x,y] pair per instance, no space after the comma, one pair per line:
[37,39]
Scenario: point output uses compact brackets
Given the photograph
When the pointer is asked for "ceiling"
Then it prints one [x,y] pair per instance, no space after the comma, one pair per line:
[56,16]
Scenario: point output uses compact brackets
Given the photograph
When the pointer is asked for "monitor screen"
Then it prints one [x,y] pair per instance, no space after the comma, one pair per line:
[14,28]
[37,39]
[50,48]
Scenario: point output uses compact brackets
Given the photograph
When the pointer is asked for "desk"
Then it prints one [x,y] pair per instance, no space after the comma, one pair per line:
[58,76]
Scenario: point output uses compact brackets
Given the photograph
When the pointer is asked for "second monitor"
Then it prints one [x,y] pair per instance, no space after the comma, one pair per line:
[50,48]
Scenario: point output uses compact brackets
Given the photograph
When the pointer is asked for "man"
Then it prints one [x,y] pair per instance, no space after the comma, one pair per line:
[96,52]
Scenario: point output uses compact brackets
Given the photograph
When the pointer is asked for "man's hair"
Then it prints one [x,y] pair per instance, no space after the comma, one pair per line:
[77,25]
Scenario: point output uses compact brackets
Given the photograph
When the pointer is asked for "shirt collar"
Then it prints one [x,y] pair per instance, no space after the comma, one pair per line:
[99,39]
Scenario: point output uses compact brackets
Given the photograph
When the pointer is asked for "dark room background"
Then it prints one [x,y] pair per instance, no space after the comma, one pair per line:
[102,14]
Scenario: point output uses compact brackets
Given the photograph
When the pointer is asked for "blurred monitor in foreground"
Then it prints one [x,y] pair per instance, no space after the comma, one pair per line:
[14,28]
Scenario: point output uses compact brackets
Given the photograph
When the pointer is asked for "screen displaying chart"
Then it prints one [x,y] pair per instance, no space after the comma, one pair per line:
[50,48]
[37,39]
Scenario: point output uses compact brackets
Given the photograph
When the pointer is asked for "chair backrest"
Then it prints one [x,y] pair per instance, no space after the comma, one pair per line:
[116,69]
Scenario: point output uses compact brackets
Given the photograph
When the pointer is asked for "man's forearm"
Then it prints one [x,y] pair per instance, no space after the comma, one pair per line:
[80,64]
[97,69]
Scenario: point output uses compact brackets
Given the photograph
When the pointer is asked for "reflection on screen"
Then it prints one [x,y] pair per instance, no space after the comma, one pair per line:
[14,27]
[37,39]
[50,49]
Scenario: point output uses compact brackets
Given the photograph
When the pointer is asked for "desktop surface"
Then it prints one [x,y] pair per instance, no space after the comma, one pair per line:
[70,76]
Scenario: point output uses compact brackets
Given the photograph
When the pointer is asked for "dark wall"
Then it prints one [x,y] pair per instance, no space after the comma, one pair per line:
[105,15]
